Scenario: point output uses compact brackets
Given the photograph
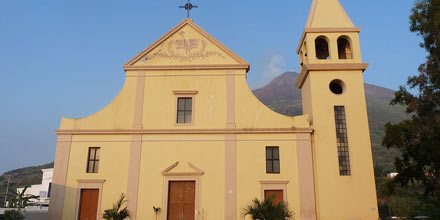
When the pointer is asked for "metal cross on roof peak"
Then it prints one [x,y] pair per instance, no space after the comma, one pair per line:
[188,6]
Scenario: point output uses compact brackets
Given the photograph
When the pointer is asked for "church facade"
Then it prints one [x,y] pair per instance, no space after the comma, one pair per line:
[186,139]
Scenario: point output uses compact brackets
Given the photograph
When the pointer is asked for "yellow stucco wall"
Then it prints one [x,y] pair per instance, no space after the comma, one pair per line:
[219,79]
[251,168]
[161,151]
[204,151]
[252,113]
[356,193]
[113,168]
[160,101]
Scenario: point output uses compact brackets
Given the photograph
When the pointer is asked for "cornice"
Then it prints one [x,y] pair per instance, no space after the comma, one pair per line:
[90,180]
[187,67]
[181,131]
[274,181]
[326,67]
[185,92]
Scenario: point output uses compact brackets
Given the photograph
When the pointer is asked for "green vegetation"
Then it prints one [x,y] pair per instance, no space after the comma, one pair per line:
[13,215]
[403,201]
[19,199]
[418,138]
[266,210]
[117,212]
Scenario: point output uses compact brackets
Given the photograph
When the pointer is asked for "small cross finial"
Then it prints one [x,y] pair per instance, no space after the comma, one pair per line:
[188,6]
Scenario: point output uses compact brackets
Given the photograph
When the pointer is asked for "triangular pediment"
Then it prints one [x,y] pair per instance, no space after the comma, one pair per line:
[188,46]
[177,169]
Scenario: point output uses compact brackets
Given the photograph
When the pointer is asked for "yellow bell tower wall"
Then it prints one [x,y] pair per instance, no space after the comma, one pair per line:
[341,197]
[329,52]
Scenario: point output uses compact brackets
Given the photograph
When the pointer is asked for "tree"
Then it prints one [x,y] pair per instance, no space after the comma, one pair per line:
[20,199]
[117,212]
[266,210]
[418,138]
[386,193]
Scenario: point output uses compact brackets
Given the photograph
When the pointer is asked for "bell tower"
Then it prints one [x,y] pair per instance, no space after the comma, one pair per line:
[331,81]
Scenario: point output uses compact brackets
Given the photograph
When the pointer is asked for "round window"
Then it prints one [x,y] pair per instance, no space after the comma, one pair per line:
[337,86]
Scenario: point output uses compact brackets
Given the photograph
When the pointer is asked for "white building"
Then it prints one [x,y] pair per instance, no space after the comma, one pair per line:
[42,190]
[392,175]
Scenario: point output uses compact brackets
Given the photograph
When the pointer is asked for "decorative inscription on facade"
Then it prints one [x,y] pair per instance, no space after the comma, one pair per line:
[184,50]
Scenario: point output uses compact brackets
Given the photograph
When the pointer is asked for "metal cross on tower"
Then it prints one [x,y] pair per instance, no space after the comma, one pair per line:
[188,6]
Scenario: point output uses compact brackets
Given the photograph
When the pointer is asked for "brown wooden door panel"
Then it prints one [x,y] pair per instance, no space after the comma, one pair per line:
[174,211]
[189,193]
[175,192]
[181,200]
[88,204]
[278,195]
[188,211]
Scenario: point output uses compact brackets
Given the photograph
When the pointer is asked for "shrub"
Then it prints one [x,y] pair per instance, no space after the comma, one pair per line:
[266,210]
[13,215]
[117,212]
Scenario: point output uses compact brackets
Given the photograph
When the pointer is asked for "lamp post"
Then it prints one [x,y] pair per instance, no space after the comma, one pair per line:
[7,188]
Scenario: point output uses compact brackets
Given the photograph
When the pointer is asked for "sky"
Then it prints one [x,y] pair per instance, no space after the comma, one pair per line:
[64,57]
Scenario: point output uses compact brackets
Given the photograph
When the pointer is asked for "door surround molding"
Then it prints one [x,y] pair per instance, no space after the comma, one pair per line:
[89,184]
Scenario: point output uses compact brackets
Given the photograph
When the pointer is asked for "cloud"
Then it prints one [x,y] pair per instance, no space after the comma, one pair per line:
[270,65]
[273,65]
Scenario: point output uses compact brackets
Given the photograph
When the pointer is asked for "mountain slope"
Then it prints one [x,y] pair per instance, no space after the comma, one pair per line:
[282,96]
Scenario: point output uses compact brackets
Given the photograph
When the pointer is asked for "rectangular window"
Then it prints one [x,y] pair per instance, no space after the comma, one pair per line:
[342,141]
[43,194]
[48,191]
[93,160]
[272,160]
[184,110]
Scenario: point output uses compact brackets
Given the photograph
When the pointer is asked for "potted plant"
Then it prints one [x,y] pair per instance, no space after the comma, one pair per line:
[267,210]
[117,212]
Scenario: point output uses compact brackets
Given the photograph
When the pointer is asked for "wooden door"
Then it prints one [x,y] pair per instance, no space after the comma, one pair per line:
[181,200]
[278,195]
[88,204]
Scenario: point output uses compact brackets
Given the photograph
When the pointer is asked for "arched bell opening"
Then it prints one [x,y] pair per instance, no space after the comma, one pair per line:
[344,48]
[322,48]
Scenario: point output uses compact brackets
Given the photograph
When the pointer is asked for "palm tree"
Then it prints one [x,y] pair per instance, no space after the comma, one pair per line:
[266,210]
[117,212]
[386,193]
[20,199]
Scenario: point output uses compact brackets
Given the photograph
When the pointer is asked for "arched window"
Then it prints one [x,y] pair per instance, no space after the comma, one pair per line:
[321,48]
[344,48]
